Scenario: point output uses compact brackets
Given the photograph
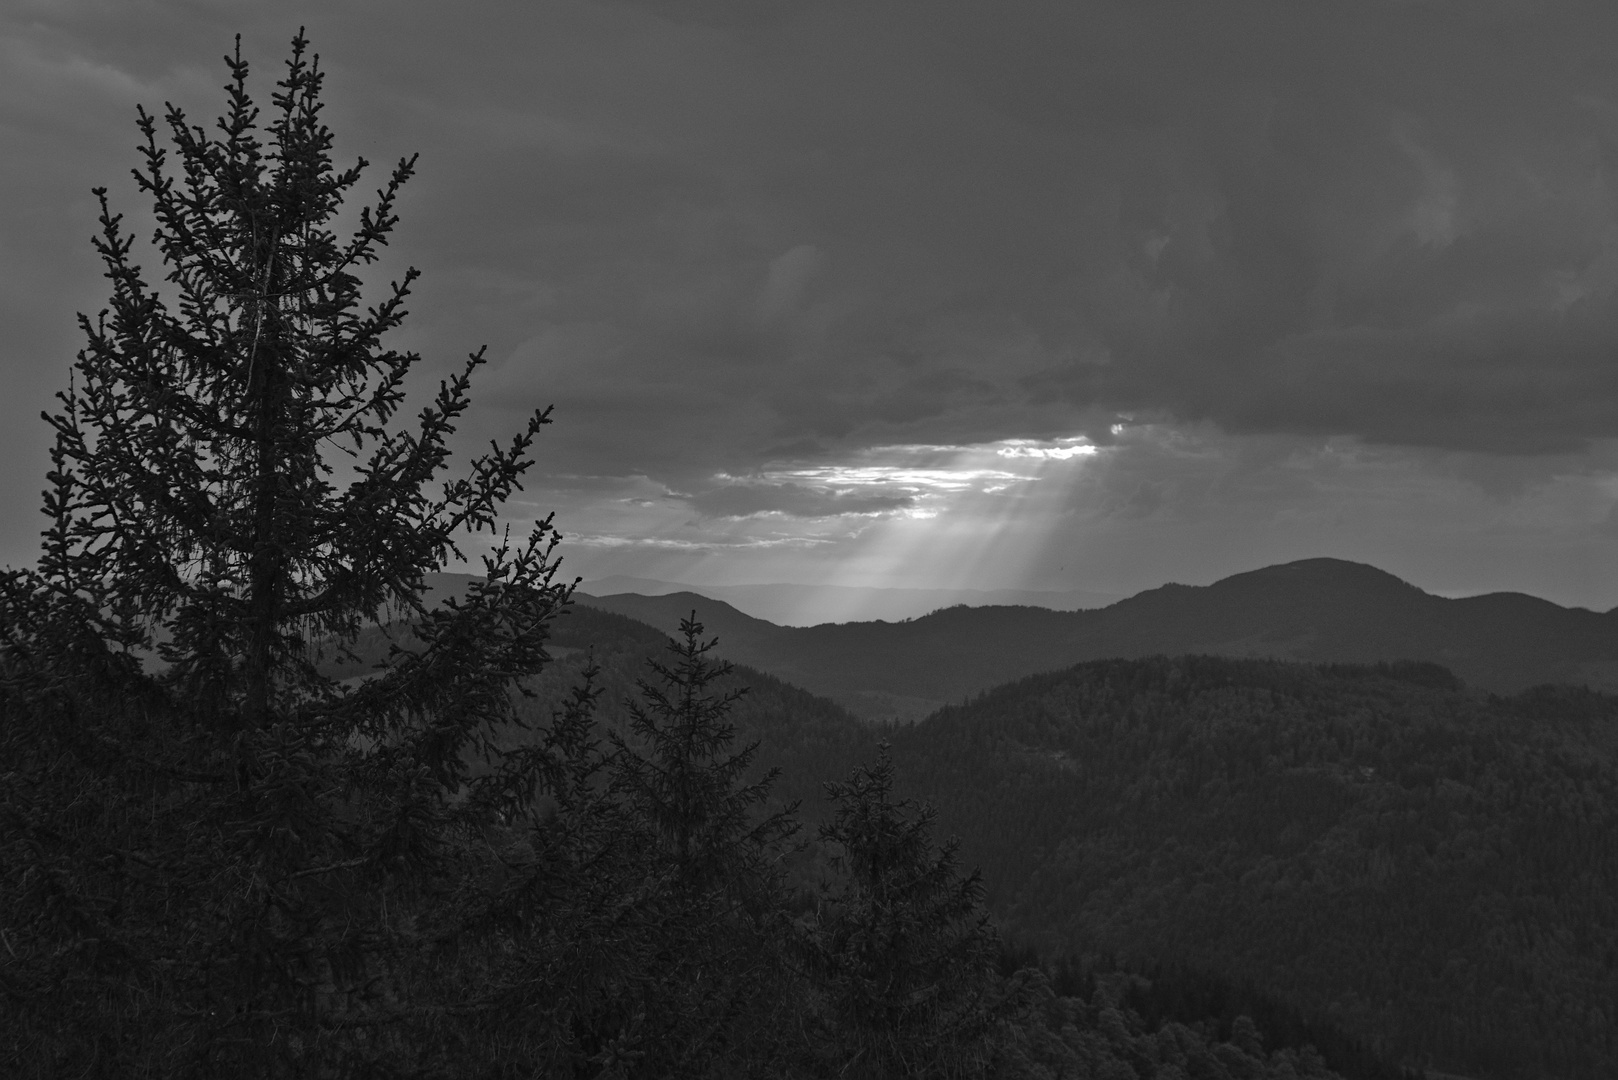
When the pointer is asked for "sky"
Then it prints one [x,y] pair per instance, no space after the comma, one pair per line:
[1003,294]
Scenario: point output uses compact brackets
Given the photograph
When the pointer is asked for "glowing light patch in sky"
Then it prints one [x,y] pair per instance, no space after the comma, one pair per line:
[923,488]
[913,515]
[1026,448]
[923,481]
[708,544]
[977,516]
[848,478]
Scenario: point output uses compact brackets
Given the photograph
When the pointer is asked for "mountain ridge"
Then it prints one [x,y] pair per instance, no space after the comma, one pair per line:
[790,604]
[1316,610]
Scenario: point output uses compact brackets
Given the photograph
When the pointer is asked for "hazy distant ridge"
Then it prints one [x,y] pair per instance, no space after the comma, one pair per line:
[808,605]
[1320,610]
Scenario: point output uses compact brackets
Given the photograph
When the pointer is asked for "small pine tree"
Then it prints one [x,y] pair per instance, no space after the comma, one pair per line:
[715,961]
[236,865]
[903,952]
[685,780]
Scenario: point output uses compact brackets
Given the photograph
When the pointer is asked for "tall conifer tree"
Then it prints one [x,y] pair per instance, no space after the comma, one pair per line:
[717,977]
[227,862]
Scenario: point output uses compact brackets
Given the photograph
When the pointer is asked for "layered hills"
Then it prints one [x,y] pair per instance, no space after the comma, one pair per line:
[1318,610]
[808,605]
[1430,869]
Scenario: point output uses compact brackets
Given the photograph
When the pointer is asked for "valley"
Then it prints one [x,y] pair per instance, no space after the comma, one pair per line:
[1424,863]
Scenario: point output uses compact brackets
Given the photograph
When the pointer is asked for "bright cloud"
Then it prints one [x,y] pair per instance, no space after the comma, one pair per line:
[914,481]
[1024,448]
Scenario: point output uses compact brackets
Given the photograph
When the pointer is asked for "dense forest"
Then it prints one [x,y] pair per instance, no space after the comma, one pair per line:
[1156,1015]
[1434,869]
[1429,867]
[1428,870]
[650,910]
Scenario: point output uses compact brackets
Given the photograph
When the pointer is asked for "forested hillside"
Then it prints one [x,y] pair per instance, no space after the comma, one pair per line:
[1431,868]
[813,740]
[1434,869]
[1144,1014]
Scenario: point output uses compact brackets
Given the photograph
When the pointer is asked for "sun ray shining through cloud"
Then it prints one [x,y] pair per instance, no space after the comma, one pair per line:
[1072,514]
[913,515]
[986,535]
[968,516]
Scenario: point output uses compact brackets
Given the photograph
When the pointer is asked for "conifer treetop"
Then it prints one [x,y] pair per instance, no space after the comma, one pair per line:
[194,481]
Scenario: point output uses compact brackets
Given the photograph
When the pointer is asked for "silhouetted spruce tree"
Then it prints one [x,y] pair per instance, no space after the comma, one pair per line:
[905,955]
[717,988]
[229,864]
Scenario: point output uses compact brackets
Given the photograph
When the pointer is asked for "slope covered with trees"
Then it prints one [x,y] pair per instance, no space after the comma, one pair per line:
[1435,870]
[1394,867]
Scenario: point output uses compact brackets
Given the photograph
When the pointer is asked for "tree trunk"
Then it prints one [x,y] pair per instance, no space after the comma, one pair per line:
[265,385]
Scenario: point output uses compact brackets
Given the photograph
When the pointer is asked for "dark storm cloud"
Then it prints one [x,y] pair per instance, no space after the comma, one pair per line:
[708,231]
[1386,221]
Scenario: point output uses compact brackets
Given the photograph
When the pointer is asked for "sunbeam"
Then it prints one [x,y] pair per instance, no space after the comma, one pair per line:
[979,516]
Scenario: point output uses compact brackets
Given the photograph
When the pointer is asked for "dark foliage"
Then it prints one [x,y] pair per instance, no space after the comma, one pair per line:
[224,861]
[901,948]
[1183,994]
[1433,871]
[811,740]
[716,994]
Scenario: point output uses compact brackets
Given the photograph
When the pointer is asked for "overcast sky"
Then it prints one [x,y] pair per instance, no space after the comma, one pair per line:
[991,294]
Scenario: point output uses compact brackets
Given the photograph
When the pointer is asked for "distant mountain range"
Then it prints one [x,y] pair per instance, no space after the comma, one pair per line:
[1321,610]
[809,605]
